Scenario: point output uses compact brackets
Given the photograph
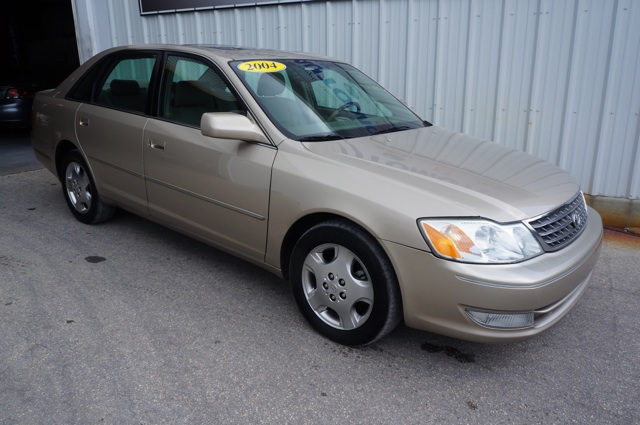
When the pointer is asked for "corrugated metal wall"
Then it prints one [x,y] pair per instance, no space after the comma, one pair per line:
[559,79]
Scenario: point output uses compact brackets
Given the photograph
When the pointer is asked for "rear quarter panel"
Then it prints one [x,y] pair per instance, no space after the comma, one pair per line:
[54,119]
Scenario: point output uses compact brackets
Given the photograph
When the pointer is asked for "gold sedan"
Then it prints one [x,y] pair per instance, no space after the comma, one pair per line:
[308,168]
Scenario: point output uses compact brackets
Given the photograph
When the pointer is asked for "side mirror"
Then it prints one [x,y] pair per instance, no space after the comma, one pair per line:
[229,125]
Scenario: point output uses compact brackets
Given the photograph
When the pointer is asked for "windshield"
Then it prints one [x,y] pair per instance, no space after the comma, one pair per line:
[321,100]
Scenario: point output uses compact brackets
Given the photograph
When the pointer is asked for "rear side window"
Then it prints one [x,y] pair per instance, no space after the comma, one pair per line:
[126,84]
[121,83]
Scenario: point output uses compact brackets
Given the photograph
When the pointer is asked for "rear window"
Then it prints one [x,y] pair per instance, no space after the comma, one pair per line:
[121,83]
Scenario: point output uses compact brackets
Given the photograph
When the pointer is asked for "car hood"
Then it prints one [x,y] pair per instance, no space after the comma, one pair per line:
[479,177]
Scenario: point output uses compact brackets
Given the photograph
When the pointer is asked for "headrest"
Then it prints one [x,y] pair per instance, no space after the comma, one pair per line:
[270,84]
[189,94]
[125,88]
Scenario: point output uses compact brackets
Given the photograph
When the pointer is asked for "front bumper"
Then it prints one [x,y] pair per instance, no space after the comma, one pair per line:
[436,293]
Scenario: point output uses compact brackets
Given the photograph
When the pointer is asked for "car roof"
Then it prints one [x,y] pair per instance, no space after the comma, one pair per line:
[226,52]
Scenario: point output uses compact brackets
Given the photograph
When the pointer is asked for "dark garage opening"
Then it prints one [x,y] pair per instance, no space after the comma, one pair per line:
[38,40]
[38,50]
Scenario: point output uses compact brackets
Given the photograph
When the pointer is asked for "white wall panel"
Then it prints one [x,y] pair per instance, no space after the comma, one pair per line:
[559,79]
[618,137]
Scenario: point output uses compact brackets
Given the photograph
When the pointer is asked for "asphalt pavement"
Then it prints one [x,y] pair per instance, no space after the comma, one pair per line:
[16,154]
[130,323]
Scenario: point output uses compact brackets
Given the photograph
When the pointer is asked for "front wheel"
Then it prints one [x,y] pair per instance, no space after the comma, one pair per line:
[344,283]
[80,190]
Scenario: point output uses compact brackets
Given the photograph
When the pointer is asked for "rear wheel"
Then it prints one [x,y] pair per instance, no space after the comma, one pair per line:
[344,284]
[80,192]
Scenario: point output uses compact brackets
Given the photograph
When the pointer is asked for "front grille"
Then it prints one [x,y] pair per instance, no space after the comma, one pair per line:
[560,227]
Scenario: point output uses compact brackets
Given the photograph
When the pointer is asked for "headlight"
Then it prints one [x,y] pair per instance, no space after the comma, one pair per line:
[479,241]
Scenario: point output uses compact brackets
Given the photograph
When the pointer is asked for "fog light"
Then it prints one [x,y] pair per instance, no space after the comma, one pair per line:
[502,320]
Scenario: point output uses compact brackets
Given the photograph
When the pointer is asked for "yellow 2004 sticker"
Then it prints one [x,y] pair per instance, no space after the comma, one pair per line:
[262,66]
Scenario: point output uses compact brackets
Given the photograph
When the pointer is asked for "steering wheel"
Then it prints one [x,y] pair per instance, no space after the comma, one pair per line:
[335,113]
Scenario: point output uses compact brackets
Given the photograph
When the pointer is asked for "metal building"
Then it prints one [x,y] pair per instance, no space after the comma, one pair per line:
[559,79]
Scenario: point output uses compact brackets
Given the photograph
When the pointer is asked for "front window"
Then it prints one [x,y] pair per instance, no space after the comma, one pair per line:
[322,100]
[192,88]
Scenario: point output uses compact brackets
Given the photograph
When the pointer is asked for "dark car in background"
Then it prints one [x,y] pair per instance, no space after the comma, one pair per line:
[17,89]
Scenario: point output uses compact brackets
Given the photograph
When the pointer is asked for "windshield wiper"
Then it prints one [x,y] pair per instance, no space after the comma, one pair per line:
[320,138]
[392,129]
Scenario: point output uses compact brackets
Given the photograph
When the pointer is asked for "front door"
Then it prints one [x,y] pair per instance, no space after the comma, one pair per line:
[214,189]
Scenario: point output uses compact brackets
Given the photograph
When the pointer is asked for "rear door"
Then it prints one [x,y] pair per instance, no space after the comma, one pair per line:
[110,129]
[214,189]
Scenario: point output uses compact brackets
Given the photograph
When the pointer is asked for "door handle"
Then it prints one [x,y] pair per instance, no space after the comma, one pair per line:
[84,122]
[156,144]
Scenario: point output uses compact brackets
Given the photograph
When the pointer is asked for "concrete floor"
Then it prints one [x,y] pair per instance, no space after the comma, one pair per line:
[16,154]
[128,322]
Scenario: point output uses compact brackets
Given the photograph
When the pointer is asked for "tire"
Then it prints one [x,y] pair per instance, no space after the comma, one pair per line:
[344,283]
[80,191]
